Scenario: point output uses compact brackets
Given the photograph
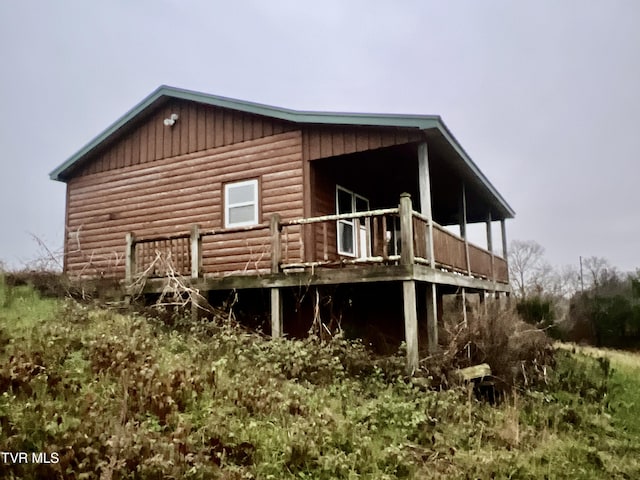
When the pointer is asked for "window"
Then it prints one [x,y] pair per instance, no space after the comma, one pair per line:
[352,232]
[241,203]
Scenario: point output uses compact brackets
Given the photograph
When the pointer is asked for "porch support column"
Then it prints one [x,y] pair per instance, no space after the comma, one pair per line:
[425,197]
[432,318]
[503,231]
[505,254]
[489,234]
[410,324]
[463,225]
[490,246]
[276,313]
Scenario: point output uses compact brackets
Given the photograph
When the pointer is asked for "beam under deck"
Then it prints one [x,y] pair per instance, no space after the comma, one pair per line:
[329,276]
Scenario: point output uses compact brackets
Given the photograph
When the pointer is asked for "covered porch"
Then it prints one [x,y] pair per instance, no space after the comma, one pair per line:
[382,215]
[398,245]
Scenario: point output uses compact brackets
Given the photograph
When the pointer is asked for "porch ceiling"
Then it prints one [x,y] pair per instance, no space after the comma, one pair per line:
[382,175]
[448,158]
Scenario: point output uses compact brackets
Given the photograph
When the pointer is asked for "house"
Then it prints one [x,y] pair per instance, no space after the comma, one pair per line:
[257,198]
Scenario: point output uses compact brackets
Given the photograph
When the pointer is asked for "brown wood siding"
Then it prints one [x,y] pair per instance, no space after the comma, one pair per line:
[324,203]
[168,195]
[66,223]
[199,127]
[328,141]
[319,141]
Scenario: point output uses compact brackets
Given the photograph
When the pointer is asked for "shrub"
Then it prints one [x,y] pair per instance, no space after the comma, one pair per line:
[610,314]
[517,353]
[536,310]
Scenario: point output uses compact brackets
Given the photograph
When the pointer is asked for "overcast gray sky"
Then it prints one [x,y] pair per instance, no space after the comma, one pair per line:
[543,95]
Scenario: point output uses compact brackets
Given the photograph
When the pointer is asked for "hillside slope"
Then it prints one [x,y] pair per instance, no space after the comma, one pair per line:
[112,396]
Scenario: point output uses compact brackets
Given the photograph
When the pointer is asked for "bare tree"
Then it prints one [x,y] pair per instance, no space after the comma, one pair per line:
[598,271]
[526,266]
[568,280]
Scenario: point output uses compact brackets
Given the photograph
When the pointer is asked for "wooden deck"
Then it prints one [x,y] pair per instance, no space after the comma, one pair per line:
[396,244]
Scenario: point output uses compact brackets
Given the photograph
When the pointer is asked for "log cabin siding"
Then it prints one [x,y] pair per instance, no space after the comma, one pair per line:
[199,127]
[329,141]
[168,195]
[324,203]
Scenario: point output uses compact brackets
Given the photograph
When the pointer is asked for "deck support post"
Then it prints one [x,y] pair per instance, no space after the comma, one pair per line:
[410,324]
[130,258]
[425,197]
[465,320]
[196,251]
[276,260]
[432,318]
[407,256]
[197,306]
[276,313]
[483,302]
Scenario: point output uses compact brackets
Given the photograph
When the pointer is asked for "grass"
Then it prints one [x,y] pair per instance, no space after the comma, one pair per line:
[123,396]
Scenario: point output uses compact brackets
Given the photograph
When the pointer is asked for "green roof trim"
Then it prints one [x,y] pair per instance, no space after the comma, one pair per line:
[164,92]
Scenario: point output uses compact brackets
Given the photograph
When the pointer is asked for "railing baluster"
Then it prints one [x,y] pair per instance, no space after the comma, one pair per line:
[367,227]
[385,243]
[376,236]
[358,232]
[325,242]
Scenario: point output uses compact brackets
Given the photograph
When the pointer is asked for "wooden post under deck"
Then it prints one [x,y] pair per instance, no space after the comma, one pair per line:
[196,251]
[276,259]
[130,258]
[432,318]
[276,313]
[410,324]
[408,286]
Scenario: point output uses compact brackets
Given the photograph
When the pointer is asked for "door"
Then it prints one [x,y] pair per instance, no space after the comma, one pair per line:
[353,233]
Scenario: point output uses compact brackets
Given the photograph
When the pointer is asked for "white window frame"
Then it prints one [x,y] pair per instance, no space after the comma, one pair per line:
[357,227]
[228,205]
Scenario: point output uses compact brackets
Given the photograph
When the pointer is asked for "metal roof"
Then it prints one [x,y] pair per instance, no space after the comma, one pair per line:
[164,92]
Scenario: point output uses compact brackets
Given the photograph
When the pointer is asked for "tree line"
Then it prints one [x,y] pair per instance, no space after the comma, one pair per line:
[592,302]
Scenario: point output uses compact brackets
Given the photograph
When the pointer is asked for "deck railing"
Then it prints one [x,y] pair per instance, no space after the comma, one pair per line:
[375,239]
[385,236]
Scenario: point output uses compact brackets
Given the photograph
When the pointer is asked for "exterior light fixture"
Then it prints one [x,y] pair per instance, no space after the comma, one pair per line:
[170,122]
